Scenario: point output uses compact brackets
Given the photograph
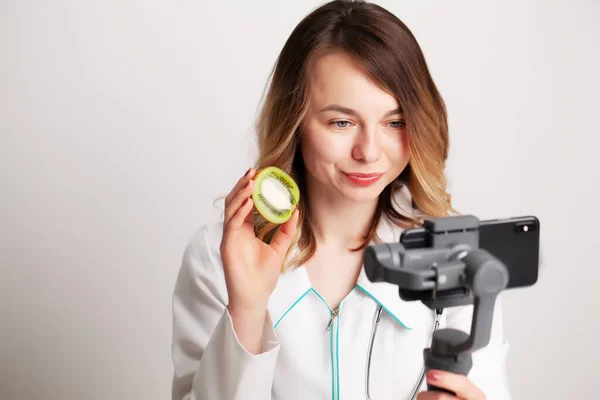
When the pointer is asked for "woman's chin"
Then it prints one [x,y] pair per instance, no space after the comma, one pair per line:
[362,194]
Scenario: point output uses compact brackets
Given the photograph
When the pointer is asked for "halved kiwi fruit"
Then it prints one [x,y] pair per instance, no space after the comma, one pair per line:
[275,195]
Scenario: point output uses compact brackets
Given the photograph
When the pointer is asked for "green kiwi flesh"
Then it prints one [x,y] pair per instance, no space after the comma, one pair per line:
[275,195]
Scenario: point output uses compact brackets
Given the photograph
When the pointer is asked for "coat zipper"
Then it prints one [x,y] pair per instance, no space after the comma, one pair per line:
[334,314]
[334,331]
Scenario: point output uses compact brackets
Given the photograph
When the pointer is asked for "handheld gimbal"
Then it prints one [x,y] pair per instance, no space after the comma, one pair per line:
[452,272]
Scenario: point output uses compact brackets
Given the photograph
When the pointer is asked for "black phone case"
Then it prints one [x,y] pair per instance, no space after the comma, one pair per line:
[514,241]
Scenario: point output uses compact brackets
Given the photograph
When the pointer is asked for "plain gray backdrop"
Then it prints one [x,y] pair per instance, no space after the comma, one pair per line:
[121,122]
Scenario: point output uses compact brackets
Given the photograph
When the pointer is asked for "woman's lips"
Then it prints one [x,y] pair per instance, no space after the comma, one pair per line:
[362,179]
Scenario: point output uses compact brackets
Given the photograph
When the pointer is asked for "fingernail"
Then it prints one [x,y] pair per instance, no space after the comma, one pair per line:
[247,172]
[433,376]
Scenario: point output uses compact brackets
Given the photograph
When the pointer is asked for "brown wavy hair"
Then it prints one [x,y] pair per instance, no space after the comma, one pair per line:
[384,45]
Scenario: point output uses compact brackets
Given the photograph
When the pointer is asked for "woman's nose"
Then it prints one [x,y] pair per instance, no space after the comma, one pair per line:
[368,146]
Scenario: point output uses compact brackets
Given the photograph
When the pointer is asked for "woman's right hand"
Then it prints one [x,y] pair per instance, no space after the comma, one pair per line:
[251,266]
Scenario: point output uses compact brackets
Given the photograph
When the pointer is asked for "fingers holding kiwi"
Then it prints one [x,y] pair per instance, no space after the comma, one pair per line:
[241,183]
[243,194]
[241,214]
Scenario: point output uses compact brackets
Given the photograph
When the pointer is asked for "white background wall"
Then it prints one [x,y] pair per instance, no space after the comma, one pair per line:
[121,121]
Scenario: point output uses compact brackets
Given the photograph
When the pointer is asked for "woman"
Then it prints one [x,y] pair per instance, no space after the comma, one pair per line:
[354,117]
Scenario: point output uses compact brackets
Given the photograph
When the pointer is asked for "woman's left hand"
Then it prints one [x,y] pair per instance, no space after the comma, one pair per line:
[459,384]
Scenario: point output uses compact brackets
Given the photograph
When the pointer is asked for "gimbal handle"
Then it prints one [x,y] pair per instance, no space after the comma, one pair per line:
[451,349]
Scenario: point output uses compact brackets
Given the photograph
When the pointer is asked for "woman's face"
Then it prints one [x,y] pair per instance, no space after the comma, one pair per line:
[353,138]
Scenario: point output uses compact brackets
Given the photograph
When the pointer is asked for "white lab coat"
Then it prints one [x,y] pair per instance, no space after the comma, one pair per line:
[301,359]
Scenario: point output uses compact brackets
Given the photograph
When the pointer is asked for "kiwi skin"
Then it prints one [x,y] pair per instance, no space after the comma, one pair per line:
[264,208]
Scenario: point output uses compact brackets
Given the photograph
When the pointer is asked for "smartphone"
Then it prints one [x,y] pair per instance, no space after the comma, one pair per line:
[514,241]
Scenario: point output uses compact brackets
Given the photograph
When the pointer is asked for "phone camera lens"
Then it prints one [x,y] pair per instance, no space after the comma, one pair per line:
[525,228]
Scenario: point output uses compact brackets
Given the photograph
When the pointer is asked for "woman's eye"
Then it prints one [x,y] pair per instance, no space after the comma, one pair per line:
[341,124]
[397,124]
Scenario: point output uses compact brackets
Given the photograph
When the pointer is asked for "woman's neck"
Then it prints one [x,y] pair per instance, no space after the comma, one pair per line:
[337,221]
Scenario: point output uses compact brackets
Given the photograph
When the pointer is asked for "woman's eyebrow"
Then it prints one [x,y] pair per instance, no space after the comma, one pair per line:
[349,111]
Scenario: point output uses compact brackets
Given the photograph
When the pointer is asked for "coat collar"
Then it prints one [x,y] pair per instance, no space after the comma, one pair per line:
[294,284]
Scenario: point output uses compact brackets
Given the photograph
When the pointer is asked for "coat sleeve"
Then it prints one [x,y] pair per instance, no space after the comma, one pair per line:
[489,363]
[209,361]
